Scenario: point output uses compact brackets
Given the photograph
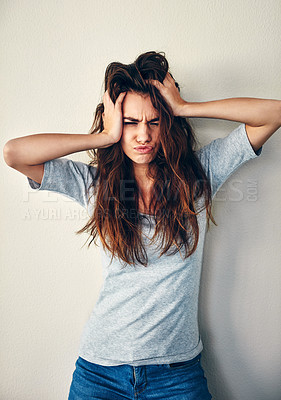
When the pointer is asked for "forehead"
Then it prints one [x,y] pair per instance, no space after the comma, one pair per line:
[136,105]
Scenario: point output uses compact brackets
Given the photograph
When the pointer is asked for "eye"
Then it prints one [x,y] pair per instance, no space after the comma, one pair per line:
[134,123]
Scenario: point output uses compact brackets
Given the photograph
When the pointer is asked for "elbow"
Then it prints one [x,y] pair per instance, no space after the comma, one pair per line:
[8,153]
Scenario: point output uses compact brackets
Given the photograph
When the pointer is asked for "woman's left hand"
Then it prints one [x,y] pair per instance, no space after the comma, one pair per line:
[170,93]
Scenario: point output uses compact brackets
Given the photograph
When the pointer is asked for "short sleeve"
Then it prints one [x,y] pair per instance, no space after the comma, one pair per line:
[223,156]
[67,177]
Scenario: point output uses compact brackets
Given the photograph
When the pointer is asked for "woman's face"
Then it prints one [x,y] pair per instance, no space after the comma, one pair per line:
[140,128]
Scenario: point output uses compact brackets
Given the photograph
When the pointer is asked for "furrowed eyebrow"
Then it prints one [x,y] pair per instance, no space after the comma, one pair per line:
[136,120]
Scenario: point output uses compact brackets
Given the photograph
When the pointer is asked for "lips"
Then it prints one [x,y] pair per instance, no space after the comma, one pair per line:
[143,149]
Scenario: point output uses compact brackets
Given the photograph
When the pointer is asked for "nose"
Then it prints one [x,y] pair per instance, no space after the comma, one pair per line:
[143,133]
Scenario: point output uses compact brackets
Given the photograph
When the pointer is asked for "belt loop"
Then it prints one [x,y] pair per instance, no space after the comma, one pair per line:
[134,373]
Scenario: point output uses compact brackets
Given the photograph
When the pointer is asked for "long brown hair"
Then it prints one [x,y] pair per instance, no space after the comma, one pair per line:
[176,170]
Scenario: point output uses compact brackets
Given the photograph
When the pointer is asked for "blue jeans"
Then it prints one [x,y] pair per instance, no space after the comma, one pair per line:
[178,381]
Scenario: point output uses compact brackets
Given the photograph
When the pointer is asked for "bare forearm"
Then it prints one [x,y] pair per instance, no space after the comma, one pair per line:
[251,111]
[41,147]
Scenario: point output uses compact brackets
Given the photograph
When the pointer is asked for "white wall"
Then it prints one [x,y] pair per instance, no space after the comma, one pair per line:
[53,59]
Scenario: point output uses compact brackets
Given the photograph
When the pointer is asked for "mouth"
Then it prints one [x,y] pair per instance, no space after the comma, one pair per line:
[143,149]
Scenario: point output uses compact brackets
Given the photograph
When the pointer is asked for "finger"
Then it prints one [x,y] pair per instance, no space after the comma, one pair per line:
[169,79]
[120,98]
[121,95]
[155,83]
[105,96]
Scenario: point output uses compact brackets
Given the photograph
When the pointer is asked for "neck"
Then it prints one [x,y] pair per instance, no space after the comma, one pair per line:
[141,175]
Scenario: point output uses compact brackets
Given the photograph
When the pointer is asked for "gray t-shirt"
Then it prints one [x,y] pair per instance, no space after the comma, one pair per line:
[147,315]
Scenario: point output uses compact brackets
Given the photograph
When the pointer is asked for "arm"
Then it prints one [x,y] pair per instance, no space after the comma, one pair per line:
[28,154]
[262,117]
[38,148]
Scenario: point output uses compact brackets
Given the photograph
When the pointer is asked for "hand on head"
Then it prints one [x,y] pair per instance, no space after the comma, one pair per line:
[170,92]
[113,116]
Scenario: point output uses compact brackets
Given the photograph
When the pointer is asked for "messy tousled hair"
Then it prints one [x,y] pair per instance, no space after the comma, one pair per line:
[178,176]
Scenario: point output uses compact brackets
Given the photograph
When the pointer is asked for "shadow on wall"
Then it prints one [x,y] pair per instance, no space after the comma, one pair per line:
[236,356]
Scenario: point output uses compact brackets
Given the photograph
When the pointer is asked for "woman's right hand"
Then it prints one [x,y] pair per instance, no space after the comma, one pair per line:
[113,116]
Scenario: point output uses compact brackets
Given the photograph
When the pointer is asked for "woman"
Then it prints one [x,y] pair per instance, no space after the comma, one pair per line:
[148,191]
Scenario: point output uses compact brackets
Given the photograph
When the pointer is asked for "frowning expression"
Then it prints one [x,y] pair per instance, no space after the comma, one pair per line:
[141,127]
